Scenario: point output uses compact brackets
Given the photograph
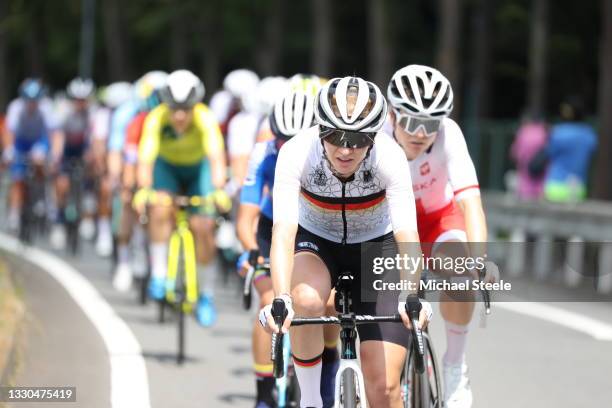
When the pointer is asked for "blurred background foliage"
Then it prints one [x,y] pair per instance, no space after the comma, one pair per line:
[502,56]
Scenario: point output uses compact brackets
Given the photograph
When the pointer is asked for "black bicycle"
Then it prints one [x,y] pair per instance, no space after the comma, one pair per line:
[33,220]
[350,391]
[247,288]
[73,208]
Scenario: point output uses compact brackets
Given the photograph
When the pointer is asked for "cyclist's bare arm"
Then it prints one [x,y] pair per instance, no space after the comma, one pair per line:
[218,168]
[475,224]
[409,246]
[245,225]
[281,256]
[144,174]
[8,138]
[114,163]
[57,144]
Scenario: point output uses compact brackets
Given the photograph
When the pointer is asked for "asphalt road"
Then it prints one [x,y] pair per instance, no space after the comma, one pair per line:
[517,361]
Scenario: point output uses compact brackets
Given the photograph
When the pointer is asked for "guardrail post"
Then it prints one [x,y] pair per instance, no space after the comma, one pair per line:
[543,256]
[515,263]
[574,261]
[604,270]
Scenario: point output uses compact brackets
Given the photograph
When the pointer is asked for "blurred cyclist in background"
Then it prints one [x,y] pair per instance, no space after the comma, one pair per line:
[226,102]
[245,127]
[127,128]
[181,152]
[111,98]
[29,124]
[68,147]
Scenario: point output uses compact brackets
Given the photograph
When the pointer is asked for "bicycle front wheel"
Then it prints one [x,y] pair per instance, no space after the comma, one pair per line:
[348,390]
[422,390]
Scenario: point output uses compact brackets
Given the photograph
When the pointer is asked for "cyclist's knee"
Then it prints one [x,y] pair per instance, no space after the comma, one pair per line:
[62,183]
[266,297]
[160,213]
[105,187]
[382,392]
[201,225]
[307,301]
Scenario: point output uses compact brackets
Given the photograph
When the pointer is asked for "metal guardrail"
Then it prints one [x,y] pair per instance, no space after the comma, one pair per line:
[577,225]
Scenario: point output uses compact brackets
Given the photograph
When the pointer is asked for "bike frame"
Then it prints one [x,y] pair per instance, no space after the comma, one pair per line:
[183,234]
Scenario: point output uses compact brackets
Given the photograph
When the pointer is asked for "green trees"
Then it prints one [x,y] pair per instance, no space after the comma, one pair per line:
[486,47]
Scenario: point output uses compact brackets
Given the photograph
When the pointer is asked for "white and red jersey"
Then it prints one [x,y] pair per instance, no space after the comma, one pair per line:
[444,172]
[440,175]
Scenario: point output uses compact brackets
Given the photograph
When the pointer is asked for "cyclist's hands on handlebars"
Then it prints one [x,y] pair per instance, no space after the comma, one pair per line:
[222,201]
[414,303]
[140,200]
[248,259]
[489,273]
[266,319]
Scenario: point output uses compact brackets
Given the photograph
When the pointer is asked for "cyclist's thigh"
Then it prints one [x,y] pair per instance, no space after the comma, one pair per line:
[314,267]
[385,305]
[367,300]
[165,176]
[18,167]
[39,150]
[382,363]
[199,183]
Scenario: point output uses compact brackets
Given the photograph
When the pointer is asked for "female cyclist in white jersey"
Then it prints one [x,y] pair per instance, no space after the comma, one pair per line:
[336,188]
[448,205]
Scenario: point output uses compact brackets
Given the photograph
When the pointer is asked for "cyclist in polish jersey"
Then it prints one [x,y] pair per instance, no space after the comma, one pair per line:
[338,185]
[448,205]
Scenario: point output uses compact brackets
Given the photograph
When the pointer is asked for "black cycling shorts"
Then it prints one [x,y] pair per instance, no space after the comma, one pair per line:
[264,236]
[340,258]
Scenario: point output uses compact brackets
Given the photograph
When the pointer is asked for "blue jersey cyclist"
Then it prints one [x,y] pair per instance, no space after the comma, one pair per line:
[29,123]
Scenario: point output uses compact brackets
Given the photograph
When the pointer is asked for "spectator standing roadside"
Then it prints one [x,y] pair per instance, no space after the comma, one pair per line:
[569,151]
[529,142]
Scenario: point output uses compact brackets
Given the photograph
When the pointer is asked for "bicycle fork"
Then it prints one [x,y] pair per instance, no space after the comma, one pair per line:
[348,363]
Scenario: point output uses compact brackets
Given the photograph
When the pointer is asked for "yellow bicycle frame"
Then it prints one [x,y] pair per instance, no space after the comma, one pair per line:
[183,234]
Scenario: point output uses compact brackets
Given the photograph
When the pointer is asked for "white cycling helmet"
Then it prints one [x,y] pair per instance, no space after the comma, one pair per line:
[117,93]
[368,113]
[422,91]
[182,90]
[270,90]
[80,88]
[150,82]
[239,81]
[291,114]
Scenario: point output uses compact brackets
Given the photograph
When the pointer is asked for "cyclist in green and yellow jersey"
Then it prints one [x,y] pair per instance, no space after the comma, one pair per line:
[181,152]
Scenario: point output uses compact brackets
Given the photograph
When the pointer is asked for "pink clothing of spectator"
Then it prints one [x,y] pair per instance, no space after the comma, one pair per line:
[530,138]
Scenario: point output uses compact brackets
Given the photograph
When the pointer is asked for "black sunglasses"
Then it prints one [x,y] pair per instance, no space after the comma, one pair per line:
[344,138]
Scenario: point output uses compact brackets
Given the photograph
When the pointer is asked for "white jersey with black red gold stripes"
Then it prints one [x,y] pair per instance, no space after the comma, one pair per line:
[443,172]
[376,200]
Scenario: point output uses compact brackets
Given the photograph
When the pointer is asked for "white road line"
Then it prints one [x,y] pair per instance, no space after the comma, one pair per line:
[129,380]
[593,327]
